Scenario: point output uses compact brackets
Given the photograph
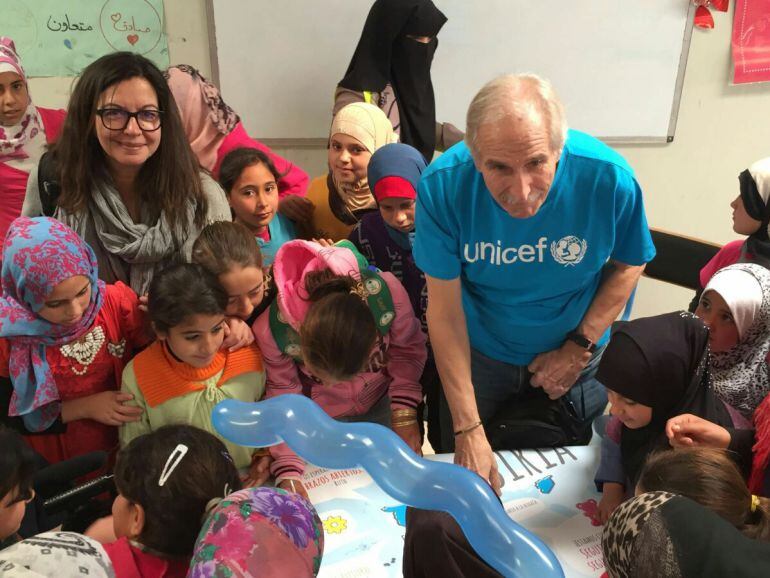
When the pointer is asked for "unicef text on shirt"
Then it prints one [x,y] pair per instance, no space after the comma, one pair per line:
[567,251]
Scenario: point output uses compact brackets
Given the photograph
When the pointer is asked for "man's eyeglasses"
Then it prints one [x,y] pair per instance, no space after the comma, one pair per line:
[117,119]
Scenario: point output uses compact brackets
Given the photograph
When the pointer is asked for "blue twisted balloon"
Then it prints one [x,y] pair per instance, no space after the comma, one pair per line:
[406,477]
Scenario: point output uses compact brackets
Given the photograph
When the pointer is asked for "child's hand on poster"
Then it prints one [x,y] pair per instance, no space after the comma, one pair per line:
[612,496]
[411,435]
[294,486]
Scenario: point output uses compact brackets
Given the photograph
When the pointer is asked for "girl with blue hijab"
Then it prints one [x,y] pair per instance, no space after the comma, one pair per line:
[64,339]
[385,238]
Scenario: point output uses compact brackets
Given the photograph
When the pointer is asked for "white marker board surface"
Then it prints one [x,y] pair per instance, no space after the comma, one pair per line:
[618,66]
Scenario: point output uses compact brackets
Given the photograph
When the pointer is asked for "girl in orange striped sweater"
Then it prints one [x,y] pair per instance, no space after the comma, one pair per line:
[183,375]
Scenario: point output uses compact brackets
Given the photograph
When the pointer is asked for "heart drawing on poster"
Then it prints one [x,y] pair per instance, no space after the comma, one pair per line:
[68,43]
[132,39]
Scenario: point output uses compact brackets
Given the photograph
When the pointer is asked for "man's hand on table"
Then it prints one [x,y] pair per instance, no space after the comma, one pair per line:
[472,451]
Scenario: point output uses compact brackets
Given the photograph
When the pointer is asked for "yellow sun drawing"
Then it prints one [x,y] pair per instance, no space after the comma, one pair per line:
[335,525]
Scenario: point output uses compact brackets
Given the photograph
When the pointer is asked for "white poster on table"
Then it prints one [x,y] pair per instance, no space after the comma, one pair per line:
[550,492]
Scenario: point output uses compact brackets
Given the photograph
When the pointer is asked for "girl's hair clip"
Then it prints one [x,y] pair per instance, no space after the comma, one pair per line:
[213,503]
[172,462]
[360,289]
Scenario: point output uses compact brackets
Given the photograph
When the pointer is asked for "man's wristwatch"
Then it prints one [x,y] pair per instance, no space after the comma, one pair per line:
[581,340]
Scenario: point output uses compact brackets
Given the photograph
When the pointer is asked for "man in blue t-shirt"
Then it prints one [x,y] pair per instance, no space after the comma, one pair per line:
[532,238]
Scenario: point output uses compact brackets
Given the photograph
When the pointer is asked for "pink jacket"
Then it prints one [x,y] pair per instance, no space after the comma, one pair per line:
[294,181]
[727,255]
[13,182]
[403,346]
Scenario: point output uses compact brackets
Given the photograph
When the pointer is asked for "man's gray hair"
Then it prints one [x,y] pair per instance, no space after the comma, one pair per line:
[510,93]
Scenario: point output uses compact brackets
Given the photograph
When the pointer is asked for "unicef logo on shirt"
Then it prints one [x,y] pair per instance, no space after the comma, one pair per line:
[569,250]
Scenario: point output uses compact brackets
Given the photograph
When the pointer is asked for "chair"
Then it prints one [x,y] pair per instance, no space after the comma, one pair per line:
[679,258]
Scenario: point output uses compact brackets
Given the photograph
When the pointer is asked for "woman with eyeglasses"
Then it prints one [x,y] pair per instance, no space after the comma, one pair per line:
[130,184]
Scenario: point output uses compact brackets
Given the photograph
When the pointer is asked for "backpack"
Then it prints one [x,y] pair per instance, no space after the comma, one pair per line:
[47,184]
[379,300]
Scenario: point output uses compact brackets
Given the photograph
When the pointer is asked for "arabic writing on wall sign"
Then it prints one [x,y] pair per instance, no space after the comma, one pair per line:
[61,37]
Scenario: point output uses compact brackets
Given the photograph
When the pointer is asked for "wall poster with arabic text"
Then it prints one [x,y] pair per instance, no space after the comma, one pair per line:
[61,37]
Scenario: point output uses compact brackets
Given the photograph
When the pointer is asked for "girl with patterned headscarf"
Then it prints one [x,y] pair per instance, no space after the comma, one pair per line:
[661,535]
[214,129]
[342,197]
[263,532]
[735,305]
[65,337]
[25,130]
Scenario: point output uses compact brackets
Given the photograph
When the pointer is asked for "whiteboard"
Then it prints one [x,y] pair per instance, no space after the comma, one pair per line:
[618,66]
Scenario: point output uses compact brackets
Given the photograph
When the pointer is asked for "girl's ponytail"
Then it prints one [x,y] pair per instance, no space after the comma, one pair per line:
[757,525]
[711,478]
[339,332]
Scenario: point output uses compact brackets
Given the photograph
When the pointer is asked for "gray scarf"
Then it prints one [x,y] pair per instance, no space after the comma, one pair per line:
[131,252]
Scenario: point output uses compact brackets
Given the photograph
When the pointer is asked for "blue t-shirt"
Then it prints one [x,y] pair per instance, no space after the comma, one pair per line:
[281,230]
[528,282]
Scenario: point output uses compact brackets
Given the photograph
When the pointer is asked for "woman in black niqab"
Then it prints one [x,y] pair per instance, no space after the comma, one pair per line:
[396,47]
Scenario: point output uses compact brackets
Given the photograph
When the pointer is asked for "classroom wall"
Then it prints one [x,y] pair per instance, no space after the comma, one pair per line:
[688,184]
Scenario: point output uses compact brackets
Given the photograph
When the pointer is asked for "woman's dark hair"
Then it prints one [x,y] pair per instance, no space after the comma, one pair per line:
[712,479]
[17,465]
[168,182]
[339,332]
[173,512]
[182,290]
[238,159]
[223,244]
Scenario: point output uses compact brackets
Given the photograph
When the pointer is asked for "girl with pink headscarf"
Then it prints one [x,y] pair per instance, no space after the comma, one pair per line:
[214,129]
[25,130]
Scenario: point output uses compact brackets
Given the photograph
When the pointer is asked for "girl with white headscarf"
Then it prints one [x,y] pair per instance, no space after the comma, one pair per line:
[25,130]
[751,216]
[735,305]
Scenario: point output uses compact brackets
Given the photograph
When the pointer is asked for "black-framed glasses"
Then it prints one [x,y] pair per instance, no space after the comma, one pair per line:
[148,119]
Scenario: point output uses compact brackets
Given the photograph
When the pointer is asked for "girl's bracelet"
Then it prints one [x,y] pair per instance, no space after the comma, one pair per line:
[398,413]
[404,422]
[467,429]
